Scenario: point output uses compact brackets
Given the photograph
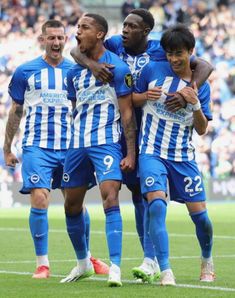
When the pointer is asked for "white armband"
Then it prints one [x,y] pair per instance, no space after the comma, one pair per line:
[197,106]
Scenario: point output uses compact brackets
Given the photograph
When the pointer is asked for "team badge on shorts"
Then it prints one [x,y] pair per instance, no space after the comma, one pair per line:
[34,178]
[149,181]
[66,177]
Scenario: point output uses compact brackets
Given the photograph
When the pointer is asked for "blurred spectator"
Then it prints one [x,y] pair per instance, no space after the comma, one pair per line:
[127,7]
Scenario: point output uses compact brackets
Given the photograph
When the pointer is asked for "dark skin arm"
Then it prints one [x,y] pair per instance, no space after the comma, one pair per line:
[100,70]
[13,123]
[129,126]
[201,72]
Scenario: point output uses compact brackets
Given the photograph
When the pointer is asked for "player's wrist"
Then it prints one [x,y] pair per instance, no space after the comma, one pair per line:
[196,106]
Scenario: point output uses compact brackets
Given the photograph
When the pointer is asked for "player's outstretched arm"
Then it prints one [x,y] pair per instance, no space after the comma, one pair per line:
[13,123]
[129,127]
[100,70]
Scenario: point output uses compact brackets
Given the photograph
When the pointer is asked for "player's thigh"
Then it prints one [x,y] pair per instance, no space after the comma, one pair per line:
[38,165]
[106,160]
[185,182]
[153,176]
[78,170]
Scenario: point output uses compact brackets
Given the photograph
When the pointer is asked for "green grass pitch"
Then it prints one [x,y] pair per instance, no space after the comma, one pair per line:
[17,261]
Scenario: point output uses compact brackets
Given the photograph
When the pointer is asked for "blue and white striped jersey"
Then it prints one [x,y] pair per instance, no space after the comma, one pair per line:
[154,52]
[42,90]
[167,134]
[97,117]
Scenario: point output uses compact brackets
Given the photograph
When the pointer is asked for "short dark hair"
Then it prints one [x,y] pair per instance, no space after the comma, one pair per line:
[101,21]
[52,24]
[177,37]
[145,15]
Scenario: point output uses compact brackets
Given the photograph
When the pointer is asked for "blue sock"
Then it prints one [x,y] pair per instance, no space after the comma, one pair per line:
[38,223]
[114,234]
[148,244]
[158,232]
[204,232]
[87,229]
[139,217]
[76,231]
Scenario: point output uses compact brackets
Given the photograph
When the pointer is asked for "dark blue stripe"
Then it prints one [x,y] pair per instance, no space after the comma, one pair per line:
[87,80]
[26,134]
[64,127]
[159,136]
[95,125]
[83,117]
[37,80]
[37,126]
[108,126]
[51,78]
[185,143]
[173,138]
[111,209]
[51,127]
[173,86]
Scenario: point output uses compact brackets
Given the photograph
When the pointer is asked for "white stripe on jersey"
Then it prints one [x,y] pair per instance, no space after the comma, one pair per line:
[166,85]
[87,132]
[166,139]
[58,78]
[57,127]
[102,123]
[44,79]
[44,126]
[30,125]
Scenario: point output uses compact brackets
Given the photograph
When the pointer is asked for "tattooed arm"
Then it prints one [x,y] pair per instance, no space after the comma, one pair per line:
[129,127]
[12,126]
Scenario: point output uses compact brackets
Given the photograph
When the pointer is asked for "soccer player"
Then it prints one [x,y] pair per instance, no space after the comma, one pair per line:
[40,86]
[95,145]
[166,148]
[136,50]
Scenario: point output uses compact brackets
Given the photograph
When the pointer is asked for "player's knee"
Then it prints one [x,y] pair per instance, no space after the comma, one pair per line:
[40,198]
[110,199]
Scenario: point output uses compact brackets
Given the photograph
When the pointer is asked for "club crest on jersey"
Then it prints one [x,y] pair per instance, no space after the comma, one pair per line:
[149,181]
[142,61]
[128,80]
[34,178]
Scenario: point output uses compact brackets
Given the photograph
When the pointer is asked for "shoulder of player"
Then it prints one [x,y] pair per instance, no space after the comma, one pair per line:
[114,59]
[68,63]
[117,39]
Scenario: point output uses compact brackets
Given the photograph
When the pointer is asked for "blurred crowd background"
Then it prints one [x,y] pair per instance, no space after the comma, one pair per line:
[211,21]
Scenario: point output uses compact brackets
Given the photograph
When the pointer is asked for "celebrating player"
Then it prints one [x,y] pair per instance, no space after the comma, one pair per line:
[166,149]
[40,86]
[95,144]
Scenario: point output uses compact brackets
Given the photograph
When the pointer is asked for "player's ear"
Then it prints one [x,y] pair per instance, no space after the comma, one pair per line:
[40,38]
[100,35]
[147,31]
